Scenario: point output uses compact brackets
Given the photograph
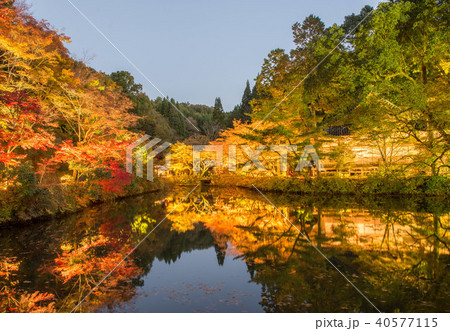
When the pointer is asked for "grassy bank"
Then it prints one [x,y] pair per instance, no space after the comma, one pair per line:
[29,202]
[373,185]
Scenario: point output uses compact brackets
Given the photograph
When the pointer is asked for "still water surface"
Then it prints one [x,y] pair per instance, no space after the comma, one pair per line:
[229,250]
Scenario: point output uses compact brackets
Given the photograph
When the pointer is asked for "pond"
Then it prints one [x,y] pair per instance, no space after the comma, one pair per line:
[232,250]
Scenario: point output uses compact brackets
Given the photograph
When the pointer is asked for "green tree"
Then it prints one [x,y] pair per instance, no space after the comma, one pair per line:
[174,117]
[246,108]
[404,64]
[218,114]
[242,111]
[151,122]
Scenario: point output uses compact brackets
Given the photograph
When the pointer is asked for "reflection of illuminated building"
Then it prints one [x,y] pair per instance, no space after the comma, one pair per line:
[363,229]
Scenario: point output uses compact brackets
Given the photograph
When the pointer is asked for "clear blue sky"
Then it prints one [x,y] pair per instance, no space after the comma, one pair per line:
[192,50]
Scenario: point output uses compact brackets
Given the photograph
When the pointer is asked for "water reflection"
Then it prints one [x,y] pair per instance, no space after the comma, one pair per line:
[230,250]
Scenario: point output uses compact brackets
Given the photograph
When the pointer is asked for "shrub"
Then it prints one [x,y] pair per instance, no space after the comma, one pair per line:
[438,185]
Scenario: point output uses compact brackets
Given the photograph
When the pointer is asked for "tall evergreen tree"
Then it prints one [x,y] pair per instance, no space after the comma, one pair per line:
[242,111]
[254,92]
[246,108]
[218,114]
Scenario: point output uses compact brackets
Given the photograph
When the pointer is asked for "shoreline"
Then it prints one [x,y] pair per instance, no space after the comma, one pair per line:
[354,188]
[62,209]
[333,185]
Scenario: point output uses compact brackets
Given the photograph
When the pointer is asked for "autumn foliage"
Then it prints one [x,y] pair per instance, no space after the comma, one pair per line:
[13,300]
[61,122]
[23,125]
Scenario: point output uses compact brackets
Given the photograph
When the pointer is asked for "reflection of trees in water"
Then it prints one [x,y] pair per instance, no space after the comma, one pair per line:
[178,243]
[373,248]
[344,230]
[397,256]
